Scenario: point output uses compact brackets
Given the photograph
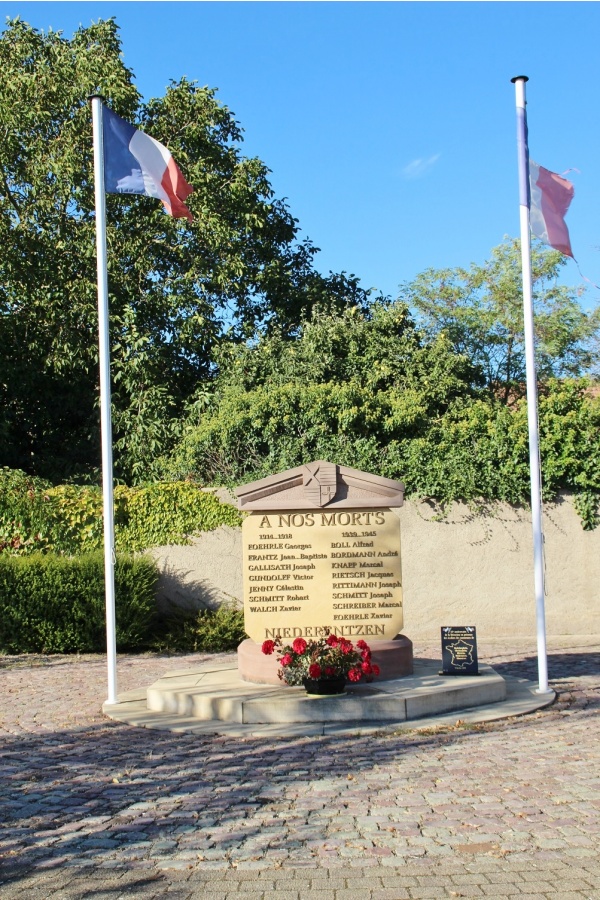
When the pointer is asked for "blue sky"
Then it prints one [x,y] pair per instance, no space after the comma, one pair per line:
[389,126]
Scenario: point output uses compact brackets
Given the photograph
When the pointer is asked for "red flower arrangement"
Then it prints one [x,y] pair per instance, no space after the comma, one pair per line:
[326,658]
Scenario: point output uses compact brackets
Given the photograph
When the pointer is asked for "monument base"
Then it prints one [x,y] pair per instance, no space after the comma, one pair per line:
[211,699]
[394,658]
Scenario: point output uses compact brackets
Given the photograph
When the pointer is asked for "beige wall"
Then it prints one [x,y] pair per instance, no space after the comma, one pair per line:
[473,569]
[466,568]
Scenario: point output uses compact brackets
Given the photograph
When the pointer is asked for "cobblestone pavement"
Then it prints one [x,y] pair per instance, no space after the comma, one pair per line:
[93,809]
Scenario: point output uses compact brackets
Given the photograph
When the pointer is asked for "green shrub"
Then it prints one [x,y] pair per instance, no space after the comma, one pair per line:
[167,513]
[477,449]
[22,499]
[56,604]
[34,516]
[206,631]
[370,394]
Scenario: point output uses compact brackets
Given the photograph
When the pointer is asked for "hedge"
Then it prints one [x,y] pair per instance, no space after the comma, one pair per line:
[55,604]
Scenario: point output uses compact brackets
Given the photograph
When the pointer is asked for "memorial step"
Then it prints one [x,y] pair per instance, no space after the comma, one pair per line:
[218,694]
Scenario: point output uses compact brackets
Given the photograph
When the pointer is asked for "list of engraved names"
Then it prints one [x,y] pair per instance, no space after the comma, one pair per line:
[308,571]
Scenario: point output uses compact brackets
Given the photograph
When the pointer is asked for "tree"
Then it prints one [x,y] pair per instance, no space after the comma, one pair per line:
[481,312]
[356,388]
[176,291]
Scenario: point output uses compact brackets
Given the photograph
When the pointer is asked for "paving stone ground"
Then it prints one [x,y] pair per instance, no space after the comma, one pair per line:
[90,808]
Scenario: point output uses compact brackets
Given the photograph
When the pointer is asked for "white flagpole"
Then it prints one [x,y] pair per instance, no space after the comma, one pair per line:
[531,382]
[105,417]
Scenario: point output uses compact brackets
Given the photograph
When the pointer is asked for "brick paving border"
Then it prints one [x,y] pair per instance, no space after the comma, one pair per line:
[94,809]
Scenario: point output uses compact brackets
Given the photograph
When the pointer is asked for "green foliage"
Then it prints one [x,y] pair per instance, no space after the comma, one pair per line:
[481,312]
[68,519]
[586,504]
[477,450]
[168,513]
[570,444]
[55,604]
[481,449]
[369,392]
[345,389]
[21,511]
[207,631]
[177,290]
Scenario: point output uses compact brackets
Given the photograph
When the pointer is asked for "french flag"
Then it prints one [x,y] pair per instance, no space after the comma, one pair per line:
[134,163]
[551,196]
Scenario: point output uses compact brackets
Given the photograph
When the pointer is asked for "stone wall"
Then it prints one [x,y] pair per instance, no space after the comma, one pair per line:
[465,568]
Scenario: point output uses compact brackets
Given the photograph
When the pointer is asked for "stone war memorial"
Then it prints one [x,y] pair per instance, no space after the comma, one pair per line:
[322,552]
[322,561]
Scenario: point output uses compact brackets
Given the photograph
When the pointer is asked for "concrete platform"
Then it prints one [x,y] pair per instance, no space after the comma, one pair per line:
[212,699]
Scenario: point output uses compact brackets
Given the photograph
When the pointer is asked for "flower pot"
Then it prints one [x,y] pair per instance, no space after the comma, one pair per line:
[325,686]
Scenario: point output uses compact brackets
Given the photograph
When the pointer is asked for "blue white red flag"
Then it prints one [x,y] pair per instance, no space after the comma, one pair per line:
[134,163]
[551,196]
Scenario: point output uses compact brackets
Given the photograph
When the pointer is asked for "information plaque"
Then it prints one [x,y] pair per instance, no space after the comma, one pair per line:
[459,650]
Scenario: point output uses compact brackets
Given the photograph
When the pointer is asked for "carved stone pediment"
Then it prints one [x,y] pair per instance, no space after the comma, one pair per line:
[319,485]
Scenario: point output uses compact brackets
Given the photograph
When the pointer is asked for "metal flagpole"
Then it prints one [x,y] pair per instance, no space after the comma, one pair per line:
[105,417]
[531,381]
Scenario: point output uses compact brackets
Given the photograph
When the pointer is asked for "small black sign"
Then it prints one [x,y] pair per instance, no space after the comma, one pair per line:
[459,650]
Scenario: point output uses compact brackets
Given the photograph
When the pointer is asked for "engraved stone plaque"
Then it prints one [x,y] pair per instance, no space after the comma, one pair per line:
[311,569]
